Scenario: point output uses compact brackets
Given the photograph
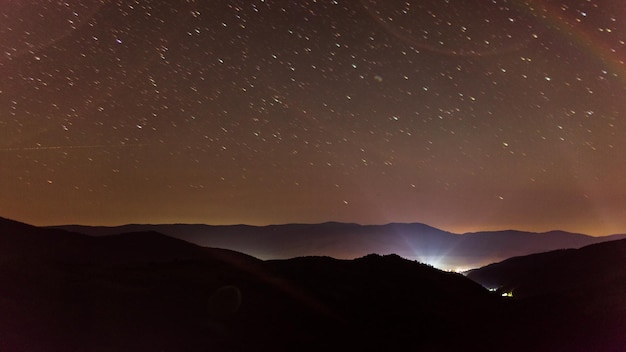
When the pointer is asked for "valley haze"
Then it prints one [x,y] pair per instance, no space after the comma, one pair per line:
[415,241]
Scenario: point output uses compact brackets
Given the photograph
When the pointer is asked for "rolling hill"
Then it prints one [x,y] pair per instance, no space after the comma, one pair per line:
[144,291]
[585,287]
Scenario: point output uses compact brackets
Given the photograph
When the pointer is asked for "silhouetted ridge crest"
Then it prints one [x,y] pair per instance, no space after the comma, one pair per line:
[414,241]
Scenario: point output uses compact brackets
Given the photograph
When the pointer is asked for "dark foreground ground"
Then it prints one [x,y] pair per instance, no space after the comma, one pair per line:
[61,291]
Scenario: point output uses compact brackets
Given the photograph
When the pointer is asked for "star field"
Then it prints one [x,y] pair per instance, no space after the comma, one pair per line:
[462,115]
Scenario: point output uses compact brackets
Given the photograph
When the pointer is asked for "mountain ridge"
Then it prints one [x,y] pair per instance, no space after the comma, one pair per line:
[416,241]
[585,287]
[145,291]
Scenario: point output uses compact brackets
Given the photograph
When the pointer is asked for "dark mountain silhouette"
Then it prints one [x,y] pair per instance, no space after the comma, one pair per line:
[585,287]
[138,291]
[415,241]
[144,291]
[597,265]
[19,241]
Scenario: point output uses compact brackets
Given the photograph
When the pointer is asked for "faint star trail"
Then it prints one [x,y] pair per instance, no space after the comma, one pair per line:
[65,147]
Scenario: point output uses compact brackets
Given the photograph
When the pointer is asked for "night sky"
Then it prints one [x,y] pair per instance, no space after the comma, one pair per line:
[465,115]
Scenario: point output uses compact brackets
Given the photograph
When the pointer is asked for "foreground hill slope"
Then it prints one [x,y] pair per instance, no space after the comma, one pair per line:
[597,265]
[585,287]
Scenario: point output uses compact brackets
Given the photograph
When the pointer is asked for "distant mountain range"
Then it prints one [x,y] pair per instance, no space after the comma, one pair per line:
[413,241]
[145,291]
